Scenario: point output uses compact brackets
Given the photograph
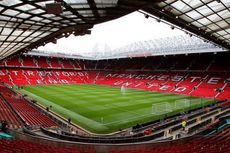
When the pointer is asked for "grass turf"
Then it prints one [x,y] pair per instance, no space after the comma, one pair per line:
[104,109]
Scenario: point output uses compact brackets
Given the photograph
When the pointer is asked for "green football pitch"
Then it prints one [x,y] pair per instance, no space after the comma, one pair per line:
[105,109]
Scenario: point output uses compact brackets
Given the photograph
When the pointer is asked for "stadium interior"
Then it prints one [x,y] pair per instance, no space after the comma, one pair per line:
[169,99]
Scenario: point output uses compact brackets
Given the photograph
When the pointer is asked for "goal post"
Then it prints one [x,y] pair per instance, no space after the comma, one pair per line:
[182,103]
[124,88]
[161,108]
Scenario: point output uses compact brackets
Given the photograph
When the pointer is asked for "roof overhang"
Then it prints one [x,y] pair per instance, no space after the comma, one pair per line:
[25,25]
[209,19]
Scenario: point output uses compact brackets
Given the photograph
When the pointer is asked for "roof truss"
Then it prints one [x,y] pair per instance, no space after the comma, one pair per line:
[25,25]
[209,19]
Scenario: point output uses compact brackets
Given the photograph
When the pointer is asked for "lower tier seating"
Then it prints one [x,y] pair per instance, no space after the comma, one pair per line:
[28,113]
[20,146]
[216,144]
[219,143]
[6,114]
[195,84]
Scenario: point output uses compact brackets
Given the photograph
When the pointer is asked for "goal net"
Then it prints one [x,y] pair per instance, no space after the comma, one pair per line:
[161,108]
[182,103]
[124,88]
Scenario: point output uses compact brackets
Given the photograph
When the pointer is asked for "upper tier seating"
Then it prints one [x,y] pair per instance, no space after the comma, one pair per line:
[42,62]
[28,61]
[54,62]
[200,64]
[219,64]
[13,62]
[78,64]
[67,64]
[194,62]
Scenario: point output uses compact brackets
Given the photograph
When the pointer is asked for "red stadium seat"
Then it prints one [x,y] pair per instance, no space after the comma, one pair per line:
[188,76]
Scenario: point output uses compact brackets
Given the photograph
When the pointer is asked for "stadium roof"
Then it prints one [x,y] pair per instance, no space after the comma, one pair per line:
[181,44]
[27,24]
[209,19]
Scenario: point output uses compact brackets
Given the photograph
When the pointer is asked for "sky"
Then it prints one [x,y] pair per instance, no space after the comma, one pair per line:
[116,33]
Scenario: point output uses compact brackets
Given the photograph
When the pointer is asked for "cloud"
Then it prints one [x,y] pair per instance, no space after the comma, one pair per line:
[113,34]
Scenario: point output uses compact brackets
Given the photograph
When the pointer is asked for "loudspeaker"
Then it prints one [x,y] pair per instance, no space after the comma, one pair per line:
[54,8]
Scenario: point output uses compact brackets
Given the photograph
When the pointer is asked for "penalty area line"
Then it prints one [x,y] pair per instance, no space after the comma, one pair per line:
[130,118]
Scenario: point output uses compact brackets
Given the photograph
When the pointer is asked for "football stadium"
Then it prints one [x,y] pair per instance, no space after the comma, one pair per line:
[68,87]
